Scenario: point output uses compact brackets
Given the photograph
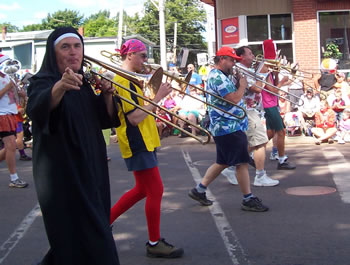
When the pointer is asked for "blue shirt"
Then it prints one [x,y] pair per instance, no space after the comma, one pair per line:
[222,123]
[196,80]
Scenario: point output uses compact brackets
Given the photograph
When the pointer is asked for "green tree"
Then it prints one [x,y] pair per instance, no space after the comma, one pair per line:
[100,25]
[63,18]
[32,27]
[189,15]
[9,26]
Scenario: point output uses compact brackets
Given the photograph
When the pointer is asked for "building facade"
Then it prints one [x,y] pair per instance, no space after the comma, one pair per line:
[302,29]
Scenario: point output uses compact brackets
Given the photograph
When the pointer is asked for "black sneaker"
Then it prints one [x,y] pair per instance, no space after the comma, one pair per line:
[254,204]
[18,184]
[163,250]
[201,197]
[285,166]
[25,158]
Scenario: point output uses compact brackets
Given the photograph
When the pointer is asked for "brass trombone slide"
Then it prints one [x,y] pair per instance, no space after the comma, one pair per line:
[259,78]
[114,58]
[88,75]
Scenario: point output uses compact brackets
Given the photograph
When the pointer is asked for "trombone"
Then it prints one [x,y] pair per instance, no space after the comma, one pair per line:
[114,57]
[89,75]
[260,78]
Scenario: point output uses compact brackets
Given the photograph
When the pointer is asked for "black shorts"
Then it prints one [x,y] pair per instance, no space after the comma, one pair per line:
[4,134]
[232,149]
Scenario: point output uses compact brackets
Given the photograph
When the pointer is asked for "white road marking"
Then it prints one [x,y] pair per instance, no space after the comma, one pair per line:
[229,237]
[15,237]
[339,167]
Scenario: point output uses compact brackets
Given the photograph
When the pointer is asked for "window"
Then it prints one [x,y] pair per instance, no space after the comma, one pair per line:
[335,33]
[259,24]
[277,27]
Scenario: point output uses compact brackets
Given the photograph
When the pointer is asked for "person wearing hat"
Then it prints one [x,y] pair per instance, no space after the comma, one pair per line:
[138,140]
[325,80]
[256,133]
[228,131]
[69,154]
[8,125]
[309,104]
[274,121]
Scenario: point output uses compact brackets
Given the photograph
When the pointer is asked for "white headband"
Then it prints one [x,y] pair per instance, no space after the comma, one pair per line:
[66,35]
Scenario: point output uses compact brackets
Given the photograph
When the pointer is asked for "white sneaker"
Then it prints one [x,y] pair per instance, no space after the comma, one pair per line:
[273,156]
[264,180]
[341,141]
[230,174]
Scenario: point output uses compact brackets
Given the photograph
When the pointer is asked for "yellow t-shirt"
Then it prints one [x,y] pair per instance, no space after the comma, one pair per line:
[133,139]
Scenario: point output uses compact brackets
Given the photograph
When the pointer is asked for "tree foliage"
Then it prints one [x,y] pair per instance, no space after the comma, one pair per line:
[9,27]
[100,25]
[188,14]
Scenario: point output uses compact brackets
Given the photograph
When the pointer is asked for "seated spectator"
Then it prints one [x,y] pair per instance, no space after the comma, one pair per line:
[285,105]
[309,104]
[293,123]
[169,102]
[344,128]
[324,128]
[164,129]
[191,109]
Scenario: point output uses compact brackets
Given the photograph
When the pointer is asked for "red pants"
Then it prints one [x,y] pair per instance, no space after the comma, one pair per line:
[148,184]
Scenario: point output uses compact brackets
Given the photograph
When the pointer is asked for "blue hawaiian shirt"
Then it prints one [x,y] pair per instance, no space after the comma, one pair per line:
[222,123]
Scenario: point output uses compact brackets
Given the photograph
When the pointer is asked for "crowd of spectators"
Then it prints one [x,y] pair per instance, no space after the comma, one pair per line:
[307,109]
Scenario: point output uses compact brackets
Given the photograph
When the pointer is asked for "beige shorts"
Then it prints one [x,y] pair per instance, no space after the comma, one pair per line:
[256,132]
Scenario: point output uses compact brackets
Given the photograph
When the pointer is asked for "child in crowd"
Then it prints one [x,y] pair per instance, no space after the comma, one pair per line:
[164,129]
[344,127]
[338,106]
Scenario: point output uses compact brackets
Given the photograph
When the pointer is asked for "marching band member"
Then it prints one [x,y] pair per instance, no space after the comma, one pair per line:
[138,139]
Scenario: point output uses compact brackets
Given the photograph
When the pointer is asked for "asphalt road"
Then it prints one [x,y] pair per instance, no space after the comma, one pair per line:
[298,229]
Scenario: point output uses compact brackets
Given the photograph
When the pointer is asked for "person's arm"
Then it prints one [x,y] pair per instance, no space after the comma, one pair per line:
[69,81]
[8,87]
[330,123]
[236,96]
[138,115]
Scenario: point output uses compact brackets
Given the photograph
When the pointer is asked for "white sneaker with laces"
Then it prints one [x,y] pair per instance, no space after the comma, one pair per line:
[273,156]
[230,174]
[265,181]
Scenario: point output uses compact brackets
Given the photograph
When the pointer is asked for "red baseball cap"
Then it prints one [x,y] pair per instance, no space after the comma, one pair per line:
[228,51]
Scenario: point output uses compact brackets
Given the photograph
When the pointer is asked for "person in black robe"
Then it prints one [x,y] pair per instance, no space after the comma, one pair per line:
[69,155]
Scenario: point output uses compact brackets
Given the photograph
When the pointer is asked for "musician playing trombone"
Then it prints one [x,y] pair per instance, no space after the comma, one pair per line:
[274,122]
[138,139]
[228,131]
[256,133]
[8,125]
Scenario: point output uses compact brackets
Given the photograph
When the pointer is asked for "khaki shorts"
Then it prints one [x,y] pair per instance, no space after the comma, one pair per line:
[256,132]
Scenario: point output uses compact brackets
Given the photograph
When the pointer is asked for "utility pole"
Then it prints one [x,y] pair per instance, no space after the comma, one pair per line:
[160,8]
[163,61]
[175,42]
[120,26]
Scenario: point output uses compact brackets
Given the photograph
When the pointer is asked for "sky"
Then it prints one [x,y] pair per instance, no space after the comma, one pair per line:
[25,12]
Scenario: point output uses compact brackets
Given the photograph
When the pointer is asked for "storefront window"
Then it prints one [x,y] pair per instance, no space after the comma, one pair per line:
[280,31]
[335,35]
[281,27]
[260,26]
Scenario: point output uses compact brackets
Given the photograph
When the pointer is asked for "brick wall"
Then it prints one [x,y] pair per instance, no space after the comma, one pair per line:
[305,29]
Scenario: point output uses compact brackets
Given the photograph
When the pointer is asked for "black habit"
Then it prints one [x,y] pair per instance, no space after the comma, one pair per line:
[70,168]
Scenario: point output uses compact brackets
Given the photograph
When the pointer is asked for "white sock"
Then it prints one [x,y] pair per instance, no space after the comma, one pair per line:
[153,243]
[282,159]
[260,173]
[13,177]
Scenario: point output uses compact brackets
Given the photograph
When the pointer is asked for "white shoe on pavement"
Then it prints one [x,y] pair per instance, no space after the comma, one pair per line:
[265,181]
[230,174]
[273,156]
